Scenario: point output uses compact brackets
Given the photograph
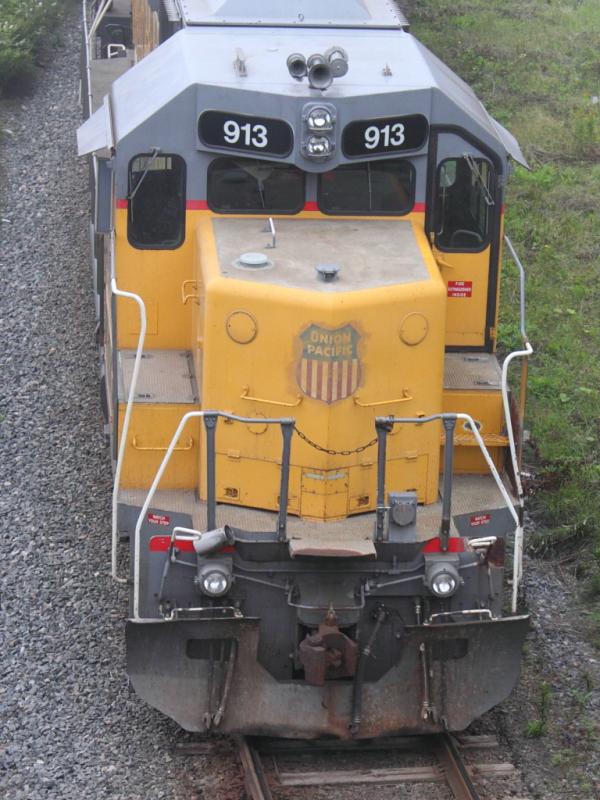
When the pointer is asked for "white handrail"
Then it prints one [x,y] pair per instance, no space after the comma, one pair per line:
[144,510]
[491,465]
[518,545]
[88,68]
[157,478]
[100,14]
[507,415]
[524,353]
[130,399]
[88,73]
[517,568]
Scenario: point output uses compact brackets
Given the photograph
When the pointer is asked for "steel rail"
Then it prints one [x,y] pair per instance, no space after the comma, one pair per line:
[255,780]
[455,770]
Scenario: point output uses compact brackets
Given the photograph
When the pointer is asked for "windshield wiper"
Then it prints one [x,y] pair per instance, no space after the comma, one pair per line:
[155,152]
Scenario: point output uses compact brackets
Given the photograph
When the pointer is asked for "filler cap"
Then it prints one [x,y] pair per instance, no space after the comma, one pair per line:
[328,272]
[253,260]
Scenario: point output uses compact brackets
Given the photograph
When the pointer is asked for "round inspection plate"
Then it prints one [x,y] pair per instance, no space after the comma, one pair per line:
[241,327]
[413,328]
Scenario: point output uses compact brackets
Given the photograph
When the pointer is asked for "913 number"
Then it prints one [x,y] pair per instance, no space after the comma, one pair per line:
[247,134]
[386,135]
[392,135]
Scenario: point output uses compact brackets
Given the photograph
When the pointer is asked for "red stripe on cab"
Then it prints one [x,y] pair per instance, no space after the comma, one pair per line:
[160,544]
[202,205]
[456,544]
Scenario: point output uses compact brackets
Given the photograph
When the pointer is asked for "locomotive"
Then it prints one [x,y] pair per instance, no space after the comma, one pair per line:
[297,236]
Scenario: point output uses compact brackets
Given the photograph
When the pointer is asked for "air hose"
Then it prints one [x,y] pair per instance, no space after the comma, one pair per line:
[364,655]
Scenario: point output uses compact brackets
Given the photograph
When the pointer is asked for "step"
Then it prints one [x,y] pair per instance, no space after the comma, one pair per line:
[166,390]
[473,385]
[476,372]
[166,376]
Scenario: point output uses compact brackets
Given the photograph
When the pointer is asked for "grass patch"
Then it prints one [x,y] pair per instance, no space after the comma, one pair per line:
[536,66]
[539,727]
[28,28]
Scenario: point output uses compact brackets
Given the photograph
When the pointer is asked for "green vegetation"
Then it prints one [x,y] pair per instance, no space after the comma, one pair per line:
[27,27]
[578,733]
[564,759]
[583,696]
[538,727]
[536,66]
[535,729]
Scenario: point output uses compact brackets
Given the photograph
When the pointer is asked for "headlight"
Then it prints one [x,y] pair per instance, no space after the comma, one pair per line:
[214,580]
[318,147]
[442,579]
[319,119]
[444,584]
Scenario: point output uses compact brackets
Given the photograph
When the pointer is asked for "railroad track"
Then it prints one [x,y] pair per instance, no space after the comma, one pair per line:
[448,765]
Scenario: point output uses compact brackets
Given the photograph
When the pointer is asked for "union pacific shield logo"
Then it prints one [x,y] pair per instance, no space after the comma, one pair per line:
[329,369]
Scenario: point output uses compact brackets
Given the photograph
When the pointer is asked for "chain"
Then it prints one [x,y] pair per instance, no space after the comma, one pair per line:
[318,447]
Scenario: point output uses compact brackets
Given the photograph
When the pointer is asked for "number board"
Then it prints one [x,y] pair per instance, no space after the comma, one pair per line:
[386,135]
[250,134]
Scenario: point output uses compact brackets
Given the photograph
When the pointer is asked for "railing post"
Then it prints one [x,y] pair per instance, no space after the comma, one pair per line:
[449,425]
[383,426]
[287,430]
[210,423]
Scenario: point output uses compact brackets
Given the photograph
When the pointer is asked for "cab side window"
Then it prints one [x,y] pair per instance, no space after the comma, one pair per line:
[462,209]
[156,208]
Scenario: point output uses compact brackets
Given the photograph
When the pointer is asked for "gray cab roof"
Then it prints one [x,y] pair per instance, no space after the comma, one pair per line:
[385,66]
[299,14]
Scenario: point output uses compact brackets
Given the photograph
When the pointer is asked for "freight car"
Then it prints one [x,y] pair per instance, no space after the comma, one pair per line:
[297,239]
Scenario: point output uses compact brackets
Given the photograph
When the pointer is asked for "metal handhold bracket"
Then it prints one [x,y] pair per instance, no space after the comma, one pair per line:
[184,296]
[405,397]
[245,395]
[184,447]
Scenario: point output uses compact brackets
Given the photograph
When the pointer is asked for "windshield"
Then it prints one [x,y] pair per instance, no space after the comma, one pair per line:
[371,187]
[250,185]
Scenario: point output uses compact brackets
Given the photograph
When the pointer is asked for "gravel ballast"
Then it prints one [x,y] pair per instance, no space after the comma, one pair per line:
[70,727]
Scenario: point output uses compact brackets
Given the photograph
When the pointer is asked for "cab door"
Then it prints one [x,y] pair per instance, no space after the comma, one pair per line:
[464,233]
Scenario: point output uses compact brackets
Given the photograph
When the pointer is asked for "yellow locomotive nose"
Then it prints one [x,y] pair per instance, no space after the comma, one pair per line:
[342,320]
